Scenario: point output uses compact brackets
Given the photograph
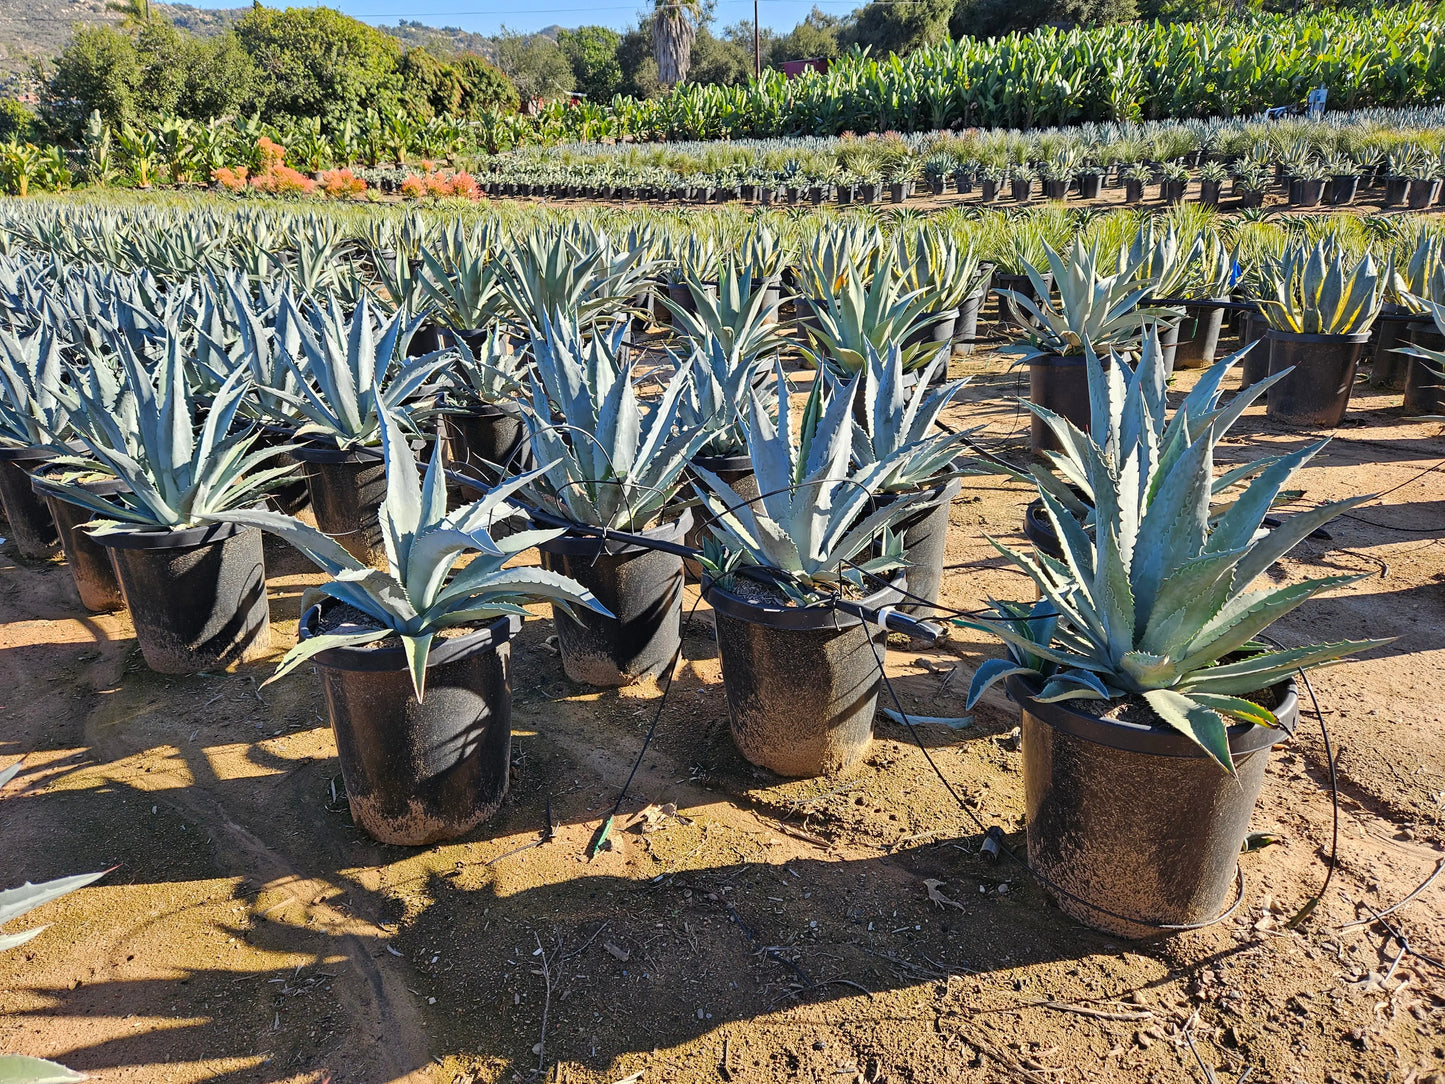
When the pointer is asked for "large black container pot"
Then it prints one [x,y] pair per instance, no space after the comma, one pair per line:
[197,596]
[1137,820]
[1344,188]
[89,562]
[1421,193]
[988,191]
[1090,185]
[1020,189]
[936,330]
[1057,190]
[1306,193]
[643,590]
[924,534]
[419,772]
[965,331]
[1390,366]
[1133,190]
[1198,336]
[1317,391]
[31,528]
[1255,366]
[1423,391]
[1039,530]
[1020,284]
[1060,384]
[487,437]
[1169,340]
[801,683]
[736,471]
[1395,189]
[806,315]
[346,489]
[1174,191]
[1209,192]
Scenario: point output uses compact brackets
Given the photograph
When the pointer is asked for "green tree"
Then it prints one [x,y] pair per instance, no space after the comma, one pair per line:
[99,69]
[429,86]
[16,122]
[992,18]
[718,60]
[815,37]
[639,66]
[592,53]
[484,88]
[220,78]
[900,26]
[534,64]
[314,62]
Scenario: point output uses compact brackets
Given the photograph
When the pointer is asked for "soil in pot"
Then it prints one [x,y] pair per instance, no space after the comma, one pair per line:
[643,590]
[196,596]
[1133,826]
[1199,336]
[31,528]
[346,490]
[89,562]
[419,772]
[1317,390]
[801,684]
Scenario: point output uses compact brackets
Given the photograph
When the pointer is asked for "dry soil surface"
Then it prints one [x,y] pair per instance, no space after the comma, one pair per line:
[744,927]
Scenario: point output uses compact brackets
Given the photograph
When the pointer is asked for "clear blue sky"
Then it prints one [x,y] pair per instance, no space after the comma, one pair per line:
[488,16]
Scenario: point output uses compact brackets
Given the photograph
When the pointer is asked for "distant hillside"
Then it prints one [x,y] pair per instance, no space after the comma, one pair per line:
[36,29]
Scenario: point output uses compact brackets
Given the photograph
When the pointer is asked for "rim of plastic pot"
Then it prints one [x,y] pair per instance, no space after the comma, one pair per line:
[509,409]
[1297,337]
[800,618]
[374,658]
[311,452]
[581,545]
[168,538]
[1159,740]
[28,454]
[717,464]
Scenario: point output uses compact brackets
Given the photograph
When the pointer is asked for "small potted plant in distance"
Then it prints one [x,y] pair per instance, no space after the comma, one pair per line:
[1149,701]
[1136,176]
[801,677]
[1212,176]
[195,588]
[1021,183]
[1320,303]
[610,465]
[32,414]
[1251,178]
[416,662]
[486,425]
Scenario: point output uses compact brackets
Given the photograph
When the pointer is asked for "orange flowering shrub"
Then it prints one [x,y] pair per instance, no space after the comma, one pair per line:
[270,154]
[413,187]
[341,183]
[233,180]
[283,181]
[465,186]
[440,185]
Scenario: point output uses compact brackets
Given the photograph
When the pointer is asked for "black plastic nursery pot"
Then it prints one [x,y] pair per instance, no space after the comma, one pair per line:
[89,562]
[1198,336]
[1056,190]
[1343,189]
[1209,192]
[1174,191]
[1306,193]
[1020,284]
[772,290]
[31,527]
[1423,387]
[924,534]
[1060,384]
[736,471]
[1020,189]
[1390,366]
[937,330]
[987,191]
[643,590]
[1133,190]
[1395,189]
[417,772]
[1090,185]
[1133,826]
[801,683]
[1317,390]
[966,329]
[1421,193]
[486,437]
[1039,530]
[197,596]
[1255,366]
[346,489]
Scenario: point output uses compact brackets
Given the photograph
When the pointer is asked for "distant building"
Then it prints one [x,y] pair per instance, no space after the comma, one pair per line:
[794,68]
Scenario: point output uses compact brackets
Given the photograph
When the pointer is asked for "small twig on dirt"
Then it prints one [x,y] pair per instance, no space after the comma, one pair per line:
[1440,865]
[770,953]
[541,1046]
[722,1066]
[586,944]
[548,834]
[1102,1014]
[1384,568]
[1189,1038]
[256,689]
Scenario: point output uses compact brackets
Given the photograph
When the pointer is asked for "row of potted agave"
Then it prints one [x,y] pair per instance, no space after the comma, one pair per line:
[1147,603]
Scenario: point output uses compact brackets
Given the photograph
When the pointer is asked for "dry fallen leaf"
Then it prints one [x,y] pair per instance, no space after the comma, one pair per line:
[621,953]
[938,898]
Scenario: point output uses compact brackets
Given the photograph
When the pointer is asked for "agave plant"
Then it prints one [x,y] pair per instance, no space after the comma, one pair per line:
[489,369]
[350,370]
[858,316]
[32,407]
[145,431]
[735,316]
[810,526]
[612,463]
[423,594]
[718,385]
[1159,602]
[464,286]
[1098,308]
[1320,290]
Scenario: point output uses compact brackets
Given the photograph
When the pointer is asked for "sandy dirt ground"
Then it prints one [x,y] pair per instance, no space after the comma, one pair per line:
[744,928]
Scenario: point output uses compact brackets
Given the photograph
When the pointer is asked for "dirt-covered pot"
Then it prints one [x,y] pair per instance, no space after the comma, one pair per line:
[197,595]
[643,590]
[89,562]
[1322,372]
[801,683]
[1199,336]
[31,527]
[736,471]
[485,437]
[1136,819]
[420,772]
[924,534]
[346,490]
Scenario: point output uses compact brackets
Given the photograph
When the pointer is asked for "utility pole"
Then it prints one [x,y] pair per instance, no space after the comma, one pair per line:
[757,45]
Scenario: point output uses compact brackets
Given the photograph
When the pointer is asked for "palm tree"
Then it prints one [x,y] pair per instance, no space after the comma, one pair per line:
[674,29]
[134,12]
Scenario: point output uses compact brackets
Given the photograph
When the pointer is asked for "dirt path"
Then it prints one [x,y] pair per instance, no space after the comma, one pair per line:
[769,930]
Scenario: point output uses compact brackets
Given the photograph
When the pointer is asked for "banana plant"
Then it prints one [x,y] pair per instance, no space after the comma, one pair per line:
[810,526]
[349,369]
[612,462]
[178,469]
[424,593]
[1158,600]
